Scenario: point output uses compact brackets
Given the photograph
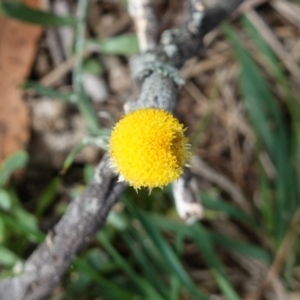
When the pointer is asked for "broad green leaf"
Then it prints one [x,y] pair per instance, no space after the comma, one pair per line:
[126,44]
[21,220]
[5,201]
[14,162]
[92,66]
[28,222]
[7,257]
[3,231]
[22,228]
[24,13]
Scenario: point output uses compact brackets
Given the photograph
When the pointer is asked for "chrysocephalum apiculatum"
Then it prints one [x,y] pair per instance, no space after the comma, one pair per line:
[148,148]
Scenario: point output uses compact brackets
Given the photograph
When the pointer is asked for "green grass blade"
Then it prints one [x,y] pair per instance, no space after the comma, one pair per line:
[166,252]
[125,44]
[205,246]
[147,267]
[241,247]
[175,288]
[143,285]
[48,196]
[14,162]
[7,257]
[71,156]
[24,13]
[115,291]
[5,201]
[228,243]
[271,129]
[81,98]
[276,69]
[230,210]
[48,92]
[225,286]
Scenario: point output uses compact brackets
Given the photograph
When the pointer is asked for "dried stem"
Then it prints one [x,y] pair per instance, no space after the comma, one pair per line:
[146,23]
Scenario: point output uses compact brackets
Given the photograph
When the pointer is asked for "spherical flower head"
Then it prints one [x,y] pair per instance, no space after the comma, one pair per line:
[148,148]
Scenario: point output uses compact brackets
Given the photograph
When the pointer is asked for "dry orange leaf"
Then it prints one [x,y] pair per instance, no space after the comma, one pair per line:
[18,45]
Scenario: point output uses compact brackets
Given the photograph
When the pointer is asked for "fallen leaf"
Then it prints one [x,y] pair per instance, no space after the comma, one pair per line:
[18,45]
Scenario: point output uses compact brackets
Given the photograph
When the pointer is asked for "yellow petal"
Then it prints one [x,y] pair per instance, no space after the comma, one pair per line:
[148,148]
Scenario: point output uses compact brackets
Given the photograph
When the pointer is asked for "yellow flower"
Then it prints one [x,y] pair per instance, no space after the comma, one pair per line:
[148,148]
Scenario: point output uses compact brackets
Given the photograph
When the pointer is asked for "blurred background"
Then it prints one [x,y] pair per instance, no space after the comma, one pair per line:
[241,108]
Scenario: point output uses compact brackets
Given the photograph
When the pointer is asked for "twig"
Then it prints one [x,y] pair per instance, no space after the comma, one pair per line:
[146,23]
[186,197]
[195,9]
[181,43]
